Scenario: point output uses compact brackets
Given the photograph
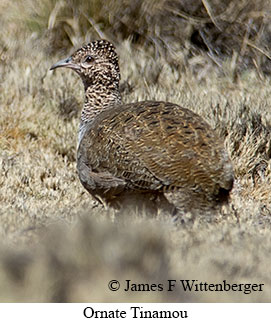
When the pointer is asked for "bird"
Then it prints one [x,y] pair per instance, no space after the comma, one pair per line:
[153,155]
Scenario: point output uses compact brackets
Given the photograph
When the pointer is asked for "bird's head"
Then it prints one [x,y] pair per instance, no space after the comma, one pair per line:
[96,62]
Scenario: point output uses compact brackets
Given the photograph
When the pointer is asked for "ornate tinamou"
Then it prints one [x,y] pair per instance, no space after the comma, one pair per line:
[156,154]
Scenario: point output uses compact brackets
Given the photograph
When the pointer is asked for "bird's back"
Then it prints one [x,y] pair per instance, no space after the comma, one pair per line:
[154,146]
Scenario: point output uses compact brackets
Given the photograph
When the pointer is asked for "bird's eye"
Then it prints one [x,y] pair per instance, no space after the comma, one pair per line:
[89,59]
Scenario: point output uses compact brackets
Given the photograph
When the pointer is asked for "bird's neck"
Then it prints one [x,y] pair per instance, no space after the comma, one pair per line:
[98,98]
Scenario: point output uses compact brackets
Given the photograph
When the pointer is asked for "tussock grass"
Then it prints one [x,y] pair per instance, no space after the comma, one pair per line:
[57,244]
[212,31]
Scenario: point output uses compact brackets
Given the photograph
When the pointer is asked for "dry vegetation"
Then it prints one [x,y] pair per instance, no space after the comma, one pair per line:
[56,243]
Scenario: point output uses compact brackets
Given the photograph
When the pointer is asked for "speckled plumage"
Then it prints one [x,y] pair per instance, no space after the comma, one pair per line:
[157,152]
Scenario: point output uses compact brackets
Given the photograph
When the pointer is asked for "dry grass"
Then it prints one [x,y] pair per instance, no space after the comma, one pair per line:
[56,243]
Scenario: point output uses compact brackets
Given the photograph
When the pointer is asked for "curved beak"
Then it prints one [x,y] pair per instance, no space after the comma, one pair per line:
[67,62]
